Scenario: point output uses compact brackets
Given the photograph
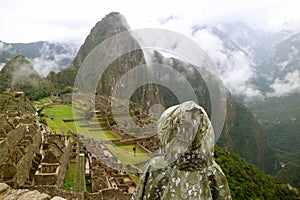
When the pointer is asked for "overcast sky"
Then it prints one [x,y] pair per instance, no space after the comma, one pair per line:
[65,20]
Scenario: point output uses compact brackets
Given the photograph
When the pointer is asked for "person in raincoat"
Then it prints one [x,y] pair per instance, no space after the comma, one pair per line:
[186,169]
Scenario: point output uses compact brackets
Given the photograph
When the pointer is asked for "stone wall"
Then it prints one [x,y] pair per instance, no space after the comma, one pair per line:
[108,194]
[64,164]
[18,150]
[31,145]
[45,179]
[10,142]
[53,167]
[54,190]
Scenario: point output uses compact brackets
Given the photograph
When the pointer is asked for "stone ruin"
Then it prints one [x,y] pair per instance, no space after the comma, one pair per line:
[29,157]
[36,159]
[19,146]
[26,159]
[55,158]
[105,173]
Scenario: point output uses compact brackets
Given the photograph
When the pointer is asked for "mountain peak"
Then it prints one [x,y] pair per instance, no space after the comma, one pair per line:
[112,24]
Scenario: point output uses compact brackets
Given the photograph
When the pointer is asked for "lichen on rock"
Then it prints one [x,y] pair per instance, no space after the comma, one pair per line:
[186,169]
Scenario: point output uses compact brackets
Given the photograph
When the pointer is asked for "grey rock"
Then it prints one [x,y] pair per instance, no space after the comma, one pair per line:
[6,193]
[58,198]
[3,188]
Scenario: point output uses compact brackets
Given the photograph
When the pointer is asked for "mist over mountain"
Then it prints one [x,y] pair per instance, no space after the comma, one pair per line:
[253,63]
[18,73]
[233,64]
[44,56]
[281,68]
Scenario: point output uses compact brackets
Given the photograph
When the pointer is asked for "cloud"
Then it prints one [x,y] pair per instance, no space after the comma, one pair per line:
[24,69]
[1,65]
[289,84]
[5,48]
[233,65]
[57,22]
[51,59]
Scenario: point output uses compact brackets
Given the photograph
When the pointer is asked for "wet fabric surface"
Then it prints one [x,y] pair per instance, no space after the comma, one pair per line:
[186,170]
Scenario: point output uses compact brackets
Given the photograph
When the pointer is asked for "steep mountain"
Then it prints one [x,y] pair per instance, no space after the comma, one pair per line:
[241,133]
[290,173]
[110,25]
[279,72]
[280,119]
[44,56]
[19,73]
[255,41]
[246,138]
[246,181]
[252,62]
[233,63]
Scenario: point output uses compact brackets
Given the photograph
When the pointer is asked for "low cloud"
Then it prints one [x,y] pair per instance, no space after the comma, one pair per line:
[1,65]
[51,60]
[233,65]
[289,84]
[5,48]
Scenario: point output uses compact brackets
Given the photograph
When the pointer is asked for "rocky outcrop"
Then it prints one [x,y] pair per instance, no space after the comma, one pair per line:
[186,170]
[6,193]
[110,25]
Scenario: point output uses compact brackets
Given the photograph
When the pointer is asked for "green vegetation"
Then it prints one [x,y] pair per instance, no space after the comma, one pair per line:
[42,102]
[126,156]
[129,148]
[290,174]
[134,129]
[246,181]
[280,119]
[56,114]
[63,79]
[8,102]
[135,178]
[97,134]
[247,139]
[68,183]
[19,73]
[3,100]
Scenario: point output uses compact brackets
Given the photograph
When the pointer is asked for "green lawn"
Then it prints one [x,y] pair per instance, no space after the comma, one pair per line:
[69,178]
[129,148]
[60,112]
[68,183]
[126,156]
[99,134]
[135,178]
[123,152]
[42,102]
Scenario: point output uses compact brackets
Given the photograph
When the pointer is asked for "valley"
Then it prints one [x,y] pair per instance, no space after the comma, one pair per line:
[60,141]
